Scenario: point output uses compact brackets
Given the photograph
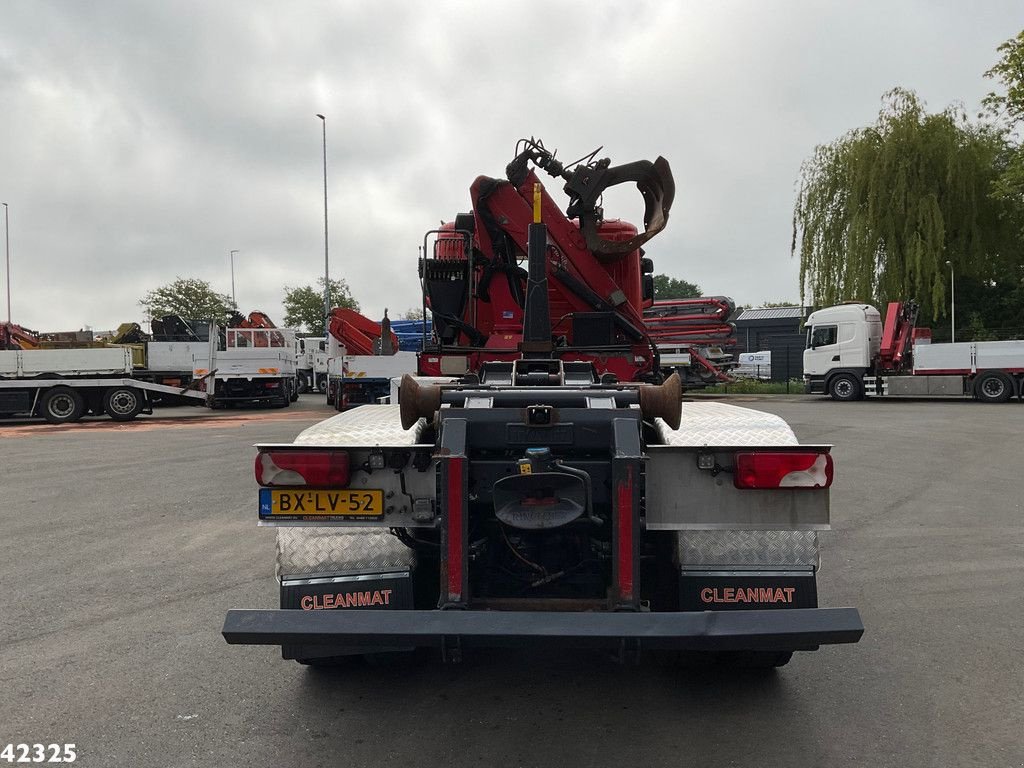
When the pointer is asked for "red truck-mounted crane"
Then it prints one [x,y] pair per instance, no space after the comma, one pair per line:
[536,499]
[690,335]
[598,281]
[363,357]
[13,336]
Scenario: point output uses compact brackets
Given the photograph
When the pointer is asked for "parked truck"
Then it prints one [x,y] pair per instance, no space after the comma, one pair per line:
[255,367]
[228,366]
[852,354]
[62,385]
[311,366]
[539,500]
[363,357]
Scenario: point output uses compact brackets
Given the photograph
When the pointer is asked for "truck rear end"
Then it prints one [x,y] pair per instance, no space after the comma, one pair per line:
[578,514]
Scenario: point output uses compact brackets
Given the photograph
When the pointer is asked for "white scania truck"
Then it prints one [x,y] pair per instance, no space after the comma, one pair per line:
[851,354]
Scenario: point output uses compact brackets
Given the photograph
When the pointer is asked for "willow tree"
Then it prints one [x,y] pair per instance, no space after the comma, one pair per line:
[1006,108]
[881,210]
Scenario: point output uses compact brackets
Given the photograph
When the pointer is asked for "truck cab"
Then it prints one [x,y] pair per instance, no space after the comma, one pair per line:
[842,342]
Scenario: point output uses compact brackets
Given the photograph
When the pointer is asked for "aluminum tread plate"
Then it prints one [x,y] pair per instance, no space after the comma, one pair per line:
[748,548]
[366,426]
[331,550]
[720,424]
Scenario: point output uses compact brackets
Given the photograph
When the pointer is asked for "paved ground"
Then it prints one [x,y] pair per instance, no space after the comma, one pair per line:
[125,544]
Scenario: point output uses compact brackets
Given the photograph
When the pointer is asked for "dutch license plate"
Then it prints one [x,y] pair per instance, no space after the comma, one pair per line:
[320,504]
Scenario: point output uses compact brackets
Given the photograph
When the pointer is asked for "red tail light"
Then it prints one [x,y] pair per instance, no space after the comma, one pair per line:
[316,469]
[783,470]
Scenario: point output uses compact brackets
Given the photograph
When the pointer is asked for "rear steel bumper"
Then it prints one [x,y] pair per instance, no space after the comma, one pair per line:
[781,630]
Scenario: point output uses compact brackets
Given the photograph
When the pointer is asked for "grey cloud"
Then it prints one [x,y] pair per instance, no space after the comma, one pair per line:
[144,140]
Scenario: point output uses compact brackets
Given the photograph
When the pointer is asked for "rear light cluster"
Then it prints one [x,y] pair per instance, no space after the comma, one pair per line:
[314,469]
[783,470]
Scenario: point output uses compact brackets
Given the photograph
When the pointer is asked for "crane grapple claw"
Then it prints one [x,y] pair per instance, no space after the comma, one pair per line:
[655,182]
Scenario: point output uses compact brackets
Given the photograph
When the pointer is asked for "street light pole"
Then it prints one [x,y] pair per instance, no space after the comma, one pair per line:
[7,251]
[234,301]
[952,303]
[327,274]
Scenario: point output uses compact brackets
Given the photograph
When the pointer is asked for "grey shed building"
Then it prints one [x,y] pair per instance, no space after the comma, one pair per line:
[778,330]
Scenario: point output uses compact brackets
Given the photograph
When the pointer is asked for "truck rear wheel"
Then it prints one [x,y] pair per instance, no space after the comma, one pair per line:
[122,403]
[321,382]
[845,387]
[301,384]
[62,405]
[993,387]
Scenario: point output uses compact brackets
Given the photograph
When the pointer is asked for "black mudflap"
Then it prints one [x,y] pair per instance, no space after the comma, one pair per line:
[389,590]
[743,590]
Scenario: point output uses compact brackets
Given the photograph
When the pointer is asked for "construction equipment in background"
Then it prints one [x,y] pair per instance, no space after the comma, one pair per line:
[690,335]
[850,354]
[363,358]
[360,335]
[538,500]
[14,336]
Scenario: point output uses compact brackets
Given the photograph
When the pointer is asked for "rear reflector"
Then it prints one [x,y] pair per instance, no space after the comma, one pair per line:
[315,469]
[783,470]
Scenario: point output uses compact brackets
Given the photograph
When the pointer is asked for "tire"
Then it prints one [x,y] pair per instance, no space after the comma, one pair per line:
[62,405]
[321,382]
[122,403]
[993,387]
[845,387]
[301,384]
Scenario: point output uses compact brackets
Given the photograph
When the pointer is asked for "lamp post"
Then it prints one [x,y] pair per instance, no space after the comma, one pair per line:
[327,278]
[7,251]
[952,303]
[232,257]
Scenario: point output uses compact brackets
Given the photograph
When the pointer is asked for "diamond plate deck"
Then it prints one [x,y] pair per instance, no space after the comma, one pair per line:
[323,550]
[748,548]
[720,424]
[365,426]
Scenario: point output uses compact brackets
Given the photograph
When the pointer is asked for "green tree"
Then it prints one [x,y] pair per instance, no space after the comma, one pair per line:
[881,209]
[666,287]
[304,305]
[192,299]
[1007,110]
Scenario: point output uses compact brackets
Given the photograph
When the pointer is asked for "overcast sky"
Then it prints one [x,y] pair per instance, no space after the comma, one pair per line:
[141,141]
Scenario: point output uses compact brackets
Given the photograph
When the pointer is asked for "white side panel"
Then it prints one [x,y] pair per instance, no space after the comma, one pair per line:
[1001,354]
[968,356]
[76,362]
[243,363]
[9,362]
[943,357]
[174,355]
[720,424]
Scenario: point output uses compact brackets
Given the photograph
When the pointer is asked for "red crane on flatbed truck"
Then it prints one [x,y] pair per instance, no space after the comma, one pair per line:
[540,500]
[851,354]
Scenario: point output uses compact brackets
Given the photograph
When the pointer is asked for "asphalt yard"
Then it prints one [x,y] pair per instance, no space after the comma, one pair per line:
[124,545]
